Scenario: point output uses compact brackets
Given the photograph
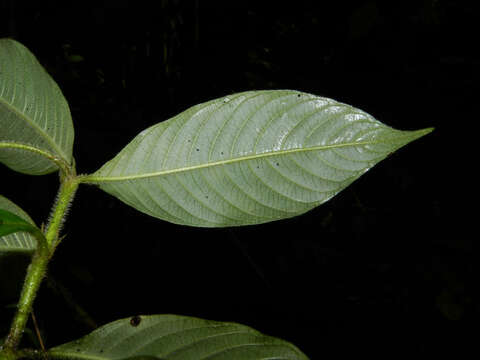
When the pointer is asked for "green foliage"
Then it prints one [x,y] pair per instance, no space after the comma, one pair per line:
[36,134]
[11,223]
[15,228]
[248,158]
[176,337]
[244,159]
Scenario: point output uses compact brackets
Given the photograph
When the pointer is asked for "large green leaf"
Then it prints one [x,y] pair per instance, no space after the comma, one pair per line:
[36,129]
[172,337]
[22,241]
[248,158]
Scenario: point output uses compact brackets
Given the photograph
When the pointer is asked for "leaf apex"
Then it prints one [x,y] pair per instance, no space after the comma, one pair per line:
[417,134]
[426,131]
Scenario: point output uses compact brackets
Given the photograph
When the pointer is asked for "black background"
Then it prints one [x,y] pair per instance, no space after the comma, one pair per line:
[383,269]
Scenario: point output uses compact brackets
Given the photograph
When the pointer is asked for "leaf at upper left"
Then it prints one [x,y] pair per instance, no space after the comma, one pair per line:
[16,235]
[36,128]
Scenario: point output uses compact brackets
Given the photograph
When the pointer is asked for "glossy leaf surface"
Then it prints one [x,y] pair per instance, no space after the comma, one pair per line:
[248,158]
[36,129]
[176,337]
[15,228]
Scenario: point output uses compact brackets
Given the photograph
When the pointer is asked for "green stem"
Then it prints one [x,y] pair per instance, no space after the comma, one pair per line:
[35,273]
[38,267]
[65,197]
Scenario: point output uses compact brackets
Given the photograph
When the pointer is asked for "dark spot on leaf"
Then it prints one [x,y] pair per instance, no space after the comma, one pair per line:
[189,140]
[221,153]
[101,351]
[277,164]
[135,321]
[206,196]
[298,95]
[198,149]
[78,350]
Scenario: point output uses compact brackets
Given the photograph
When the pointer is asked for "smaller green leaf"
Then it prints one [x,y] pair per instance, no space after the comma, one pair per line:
[17,229]
[168,337]
[36,128]
[11,223]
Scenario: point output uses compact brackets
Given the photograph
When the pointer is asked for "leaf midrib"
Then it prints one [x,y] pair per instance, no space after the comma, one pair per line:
[102,179]
[35,127]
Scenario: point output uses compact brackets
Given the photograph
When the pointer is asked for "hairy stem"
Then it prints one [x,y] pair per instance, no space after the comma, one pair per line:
[38,267]
[35,273]
[64,198]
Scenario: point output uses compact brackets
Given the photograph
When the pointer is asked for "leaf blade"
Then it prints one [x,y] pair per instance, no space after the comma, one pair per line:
[33,112]
[11,223]
[22,241]
[248,158]
[176,337]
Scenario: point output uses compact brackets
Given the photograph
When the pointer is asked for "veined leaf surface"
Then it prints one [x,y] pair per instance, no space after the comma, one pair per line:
[172,337]
[18,241]
[248,158]
[36,129]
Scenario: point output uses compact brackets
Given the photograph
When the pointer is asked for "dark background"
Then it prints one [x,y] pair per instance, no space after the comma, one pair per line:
[383,269]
